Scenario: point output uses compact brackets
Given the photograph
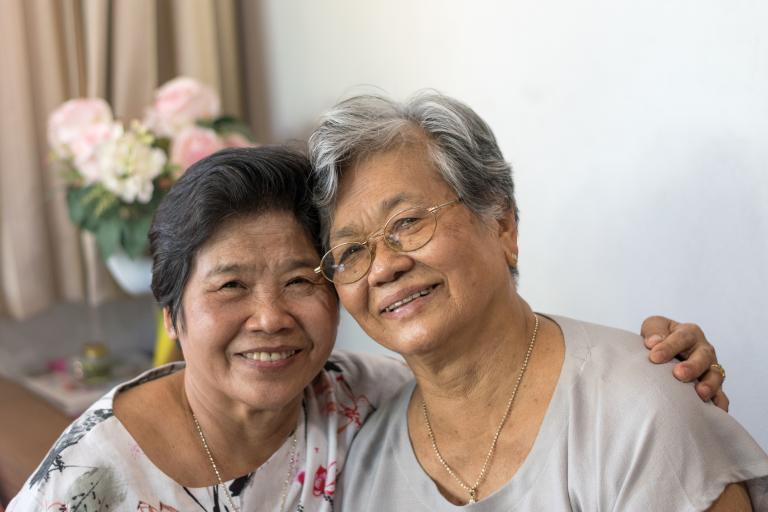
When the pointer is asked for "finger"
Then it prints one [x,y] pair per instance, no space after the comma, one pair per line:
[698,365]
[653,340]
[656,325]
[679,342]
[721,400]
[709,385]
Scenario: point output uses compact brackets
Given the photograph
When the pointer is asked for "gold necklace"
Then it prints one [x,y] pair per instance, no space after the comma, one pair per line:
[286,483]
[472,490]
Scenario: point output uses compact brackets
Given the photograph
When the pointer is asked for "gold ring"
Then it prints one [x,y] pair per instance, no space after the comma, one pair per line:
[719,368]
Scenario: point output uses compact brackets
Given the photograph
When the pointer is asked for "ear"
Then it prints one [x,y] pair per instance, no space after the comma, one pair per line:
[507,226]
[169,329]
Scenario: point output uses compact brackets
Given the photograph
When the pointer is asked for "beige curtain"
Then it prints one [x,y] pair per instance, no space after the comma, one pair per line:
[121,50]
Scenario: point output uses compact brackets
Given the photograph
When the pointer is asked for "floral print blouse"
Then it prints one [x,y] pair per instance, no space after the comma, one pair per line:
[96,465]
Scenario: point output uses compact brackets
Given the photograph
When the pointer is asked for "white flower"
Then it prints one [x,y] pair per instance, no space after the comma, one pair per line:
[86,149]
[129,164]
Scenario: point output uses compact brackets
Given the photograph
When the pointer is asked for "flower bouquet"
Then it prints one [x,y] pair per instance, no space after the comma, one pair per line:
[117,175]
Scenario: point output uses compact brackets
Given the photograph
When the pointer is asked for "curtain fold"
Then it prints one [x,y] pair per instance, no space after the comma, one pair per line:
[120,50]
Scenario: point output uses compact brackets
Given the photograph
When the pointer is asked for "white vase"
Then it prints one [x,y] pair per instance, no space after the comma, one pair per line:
[133,275]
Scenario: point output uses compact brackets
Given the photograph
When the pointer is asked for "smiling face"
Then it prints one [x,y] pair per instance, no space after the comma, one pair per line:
[258,324]
[437,297]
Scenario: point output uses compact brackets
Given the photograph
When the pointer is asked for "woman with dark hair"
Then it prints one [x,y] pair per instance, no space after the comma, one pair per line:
[261,414]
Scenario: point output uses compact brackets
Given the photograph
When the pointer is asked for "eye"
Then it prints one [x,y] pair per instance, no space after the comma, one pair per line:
[405,224]
[231,285]
[300,281]
[351,252]
[301,286]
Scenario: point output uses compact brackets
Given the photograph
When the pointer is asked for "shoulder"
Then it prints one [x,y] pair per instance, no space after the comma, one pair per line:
[638,422]
[84,451]
[599,354]
[78,447]
[609,368]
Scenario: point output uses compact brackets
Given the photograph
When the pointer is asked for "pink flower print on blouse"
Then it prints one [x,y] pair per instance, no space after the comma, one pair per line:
[325,480]
[354,408]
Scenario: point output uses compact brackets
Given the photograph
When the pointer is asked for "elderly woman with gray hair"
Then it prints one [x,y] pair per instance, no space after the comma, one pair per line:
[510,409]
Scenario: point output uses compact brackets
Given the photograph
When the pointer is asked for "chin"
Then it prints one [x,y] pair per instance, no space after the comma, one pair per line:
[271,399]
[410,344]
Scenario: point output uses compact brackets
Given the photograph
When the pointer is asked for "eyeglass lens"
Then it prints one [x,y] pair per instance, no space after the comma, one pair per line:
[407,231]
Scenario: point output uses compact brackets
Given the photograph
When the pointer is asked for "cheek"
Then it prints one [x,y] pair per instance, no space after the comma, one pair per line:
[319,319]
[211,321]
[353,297]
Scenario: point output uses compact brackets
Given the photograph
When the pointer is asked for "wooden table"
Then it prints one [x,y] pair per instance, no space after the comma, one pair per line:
[28,428]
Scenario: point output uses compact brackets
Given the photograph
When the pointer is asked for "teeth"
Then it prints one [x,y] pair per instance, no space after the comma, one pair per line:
[268,356]
[408,299]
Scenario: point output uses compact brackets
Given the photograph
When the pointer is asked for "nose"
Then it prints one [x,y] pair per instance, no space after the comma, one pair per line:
[387,264]
[269,315]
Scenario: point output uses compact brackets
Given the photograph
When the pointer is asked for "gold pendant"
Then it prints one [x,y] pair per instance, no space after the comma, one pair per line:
[472,496]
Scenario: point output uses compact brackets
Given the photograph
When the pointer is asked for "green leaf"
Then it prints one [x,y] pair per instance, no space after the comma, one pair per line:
[135,241]
[77,208]
[163,143]
[108,236]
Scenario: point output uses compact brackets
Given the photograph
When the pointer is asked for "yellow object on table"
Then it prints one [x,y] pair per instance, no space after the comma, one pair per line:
[165,346]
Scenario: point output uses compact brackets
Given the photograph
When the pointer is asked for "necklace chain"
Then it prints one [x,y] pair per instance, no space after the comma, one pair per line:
[286,483]
[472,490]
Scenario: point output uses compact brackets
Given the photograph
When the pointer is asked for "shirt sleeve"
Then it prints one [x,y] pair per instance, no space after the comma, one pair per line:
[660,447]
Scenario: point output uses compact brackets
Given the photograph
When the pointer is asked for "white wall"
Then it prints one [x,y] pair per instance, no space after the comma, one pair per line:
[638,132]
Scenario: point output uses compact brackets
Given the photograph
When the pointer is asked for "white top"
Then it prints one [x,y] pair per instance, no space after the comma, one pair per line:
[97,465]
[617,435]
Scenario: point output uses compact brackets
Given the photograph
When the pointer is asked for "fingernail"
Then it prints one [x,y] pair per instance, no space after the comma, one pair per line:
[657,356]
[654,340]
[683,372]
[705,391]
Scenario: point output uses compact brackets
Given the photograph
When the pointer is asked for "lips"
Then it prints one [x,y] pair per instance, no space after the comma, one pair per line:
[268,355]
[409,297]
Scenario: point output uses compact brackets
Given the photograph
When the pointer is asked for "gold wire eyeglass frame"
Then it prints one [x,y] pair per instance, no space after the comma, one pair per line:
[382,233]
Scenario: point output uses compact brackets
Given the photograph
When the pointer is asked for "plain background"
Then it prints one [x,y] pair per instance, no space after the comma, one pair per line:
[638,132]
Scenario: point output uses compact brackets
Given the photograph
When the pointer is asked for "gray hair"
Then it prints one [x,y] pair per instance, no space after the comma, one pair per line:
[460,144]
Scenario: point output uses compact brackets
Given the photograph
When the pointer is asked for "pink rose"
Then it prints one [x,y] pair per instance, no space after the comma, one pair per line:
[178,104]
[78,122]
[193,143]
[236,140]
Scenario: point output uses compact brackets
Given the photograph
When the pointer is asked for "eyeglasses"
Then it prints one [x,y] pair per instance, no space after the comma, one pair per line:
[405,231]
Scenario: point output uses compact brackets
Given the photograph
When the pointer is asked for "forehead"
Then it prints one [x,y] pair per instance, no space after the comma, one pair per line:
[264,238]
[388,181]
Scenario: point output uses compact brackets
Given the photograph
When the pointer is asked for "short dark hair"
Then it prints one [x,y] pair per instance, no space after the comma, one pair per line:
[227,184]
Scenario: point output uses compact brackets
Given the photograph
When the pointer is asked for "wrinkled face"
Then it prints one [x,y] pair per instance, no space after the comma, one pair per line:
[258,323]
[435,296]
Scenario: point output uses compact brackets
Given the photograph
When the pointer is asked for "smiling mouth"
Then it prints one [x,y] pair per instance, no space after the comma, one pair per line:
[268,356]
[402,302]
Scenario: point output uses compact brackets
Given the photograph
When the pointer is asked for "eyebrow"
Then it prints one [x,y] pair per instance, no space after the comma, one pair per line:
[224,268]
[287,265]
[387,206]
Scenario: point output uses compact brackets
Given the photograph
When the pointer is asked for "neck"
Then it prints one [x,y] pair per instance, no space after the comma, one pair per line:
[240,438]
[478,368]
